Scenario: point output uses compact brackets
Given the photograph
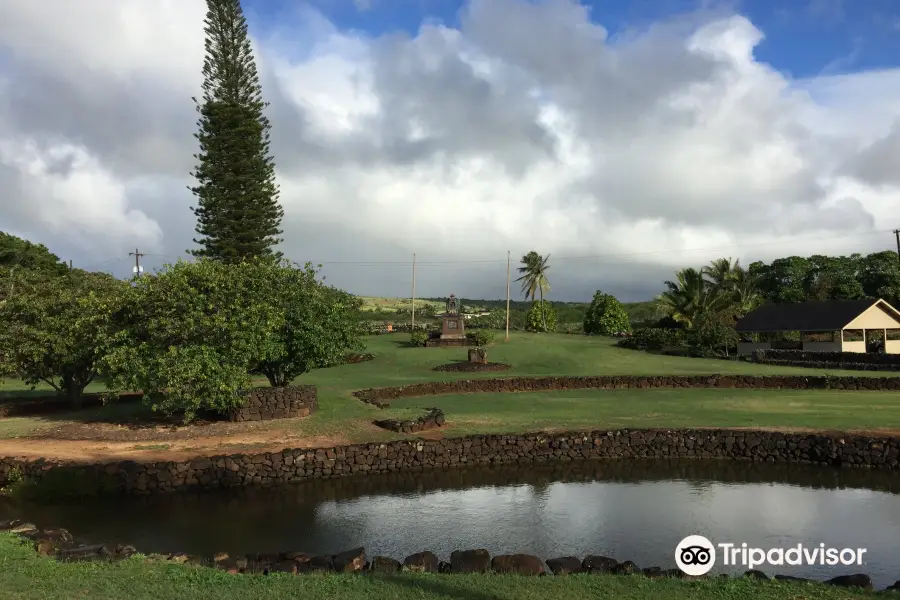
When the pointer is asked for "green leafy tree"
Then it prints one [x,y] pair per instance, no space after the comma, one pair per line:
[713,333]
[879,275]
[238,214]
[783,281]
[317,324]
[833,278]
[16,253]
[53,328]
[191,334]
[606,315]
[541,317]
[534,277]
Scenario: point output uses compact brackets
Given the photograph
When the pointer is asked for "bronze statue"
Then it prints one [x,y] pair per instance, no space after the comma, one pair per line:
[452,307]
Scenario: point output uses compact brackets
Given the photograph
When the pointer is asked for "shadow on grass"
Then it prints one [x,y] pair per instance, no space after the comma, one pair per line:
[440,586]
[130,412]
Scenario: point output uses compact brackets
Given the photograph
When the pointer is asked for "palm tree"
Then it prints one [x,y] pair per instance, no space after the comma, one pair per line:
[534,278]
[730,279]
[686,298]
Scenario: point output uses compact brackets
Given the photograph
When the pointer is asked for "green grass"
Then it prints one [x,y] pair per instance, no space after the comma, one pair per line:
[579,409]
[395,363]
[24,575]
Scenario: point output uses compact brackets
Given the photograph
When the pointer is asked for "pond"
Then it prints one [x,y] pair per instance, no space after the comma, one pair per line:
[629,510]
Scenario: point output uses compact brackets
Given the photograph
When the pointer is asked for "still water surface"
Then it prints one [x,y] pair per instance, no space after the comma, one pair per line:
[630,510]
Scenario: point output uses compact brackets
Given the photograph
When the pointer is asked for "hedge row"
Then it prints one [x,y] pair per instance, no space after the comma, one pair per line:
[799,356]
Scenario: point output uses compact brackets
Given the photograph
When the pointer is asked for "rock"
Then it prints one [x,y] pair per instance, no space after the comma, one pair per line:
[893,588]
[181,558]
[517,564]
[285,566]
[652,572]
[444,567]
[626,568]
[23,529]
[58,535]
[45,547]
[94,552]
[220,557]
[564,565]
[470,561]
[350,561]
[320,562]
[790,578]
[298,557]
[857,580]
[756,574]
[125,550]
[674,573]
[421,562]
[384,564]
[598,564]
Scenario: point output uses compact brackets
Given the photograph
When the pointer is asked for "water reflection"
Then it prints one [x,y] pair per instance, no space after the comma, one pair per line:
[626,509]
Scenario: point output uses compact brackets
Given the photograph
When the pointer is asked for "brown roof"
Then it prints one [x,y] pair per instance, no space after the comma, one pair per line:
[821,315]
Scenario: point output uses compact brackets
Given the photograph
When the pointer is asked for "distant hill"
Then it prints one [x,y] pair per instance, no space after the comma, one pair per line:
[568,312]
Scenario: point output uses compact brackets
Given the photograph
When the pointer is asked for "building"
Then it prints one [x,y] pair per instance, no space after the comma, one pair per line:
[822,326]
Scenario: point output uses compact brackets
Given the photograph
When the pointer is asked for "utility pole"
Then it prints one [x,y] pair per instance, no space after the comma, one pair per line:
[138,269]
[897,235]
[413,299]
[70,264]
[507,294]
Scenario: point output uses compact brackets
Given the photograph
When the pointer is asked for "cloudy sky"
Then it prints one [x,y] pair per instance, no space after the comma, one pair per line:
[625,139]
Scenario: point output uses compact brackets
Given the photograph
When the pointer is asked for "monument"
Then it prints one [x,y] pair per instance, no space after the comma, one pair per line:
[452,322]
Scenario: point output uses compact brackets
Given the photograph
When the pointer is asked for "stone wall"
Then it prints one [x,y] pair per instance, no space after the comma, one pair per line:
[432,419]
[380,396]
[410,455]
[268,403]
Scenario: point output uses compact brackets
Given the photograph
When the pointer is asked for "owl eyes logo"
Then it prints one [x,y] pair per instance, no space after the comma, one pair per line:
[695,555]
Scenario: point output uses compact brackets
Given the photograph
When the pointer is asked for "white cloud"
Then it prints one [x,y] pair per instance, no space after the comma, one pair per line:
[527,128]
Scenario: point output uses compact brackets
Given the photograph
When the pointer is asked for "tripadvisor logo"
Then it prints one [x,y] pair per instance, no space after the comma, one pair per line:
[695,555]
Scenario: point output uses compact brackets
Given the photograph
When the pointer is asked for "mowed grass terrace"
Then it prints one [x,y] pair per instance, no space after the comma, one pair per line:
[344,419]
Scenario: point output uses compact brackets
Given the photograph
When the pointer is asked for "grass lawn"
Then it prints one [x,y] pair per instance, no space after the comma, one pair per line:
[25,575]
[344,419]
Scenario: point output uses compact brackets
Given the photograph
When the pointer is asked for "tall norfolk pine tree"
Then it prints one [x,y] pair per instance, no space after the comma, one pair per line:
[238,214]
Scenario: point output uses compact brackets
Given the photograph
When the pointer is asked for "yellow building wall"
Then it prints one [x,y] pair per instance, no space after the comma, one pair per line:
[874,318]
[853,347]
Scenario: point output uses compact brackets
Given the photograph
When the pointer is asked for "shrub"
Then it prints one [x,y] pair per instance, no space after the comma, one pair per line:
[654,338]
[540,313]
[314,324]
[418,338]
[191,334]
[606,316]
[481,337]
[53,327]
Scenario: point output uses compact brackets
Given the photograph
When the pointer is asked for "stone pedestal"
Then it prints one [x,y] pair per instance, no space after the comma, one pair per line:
[478,356]
[453,327]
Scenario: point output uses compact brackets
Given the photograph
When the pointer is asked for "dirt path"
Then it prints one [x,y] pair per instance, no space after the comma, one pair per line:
[160,450]
[177,448]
